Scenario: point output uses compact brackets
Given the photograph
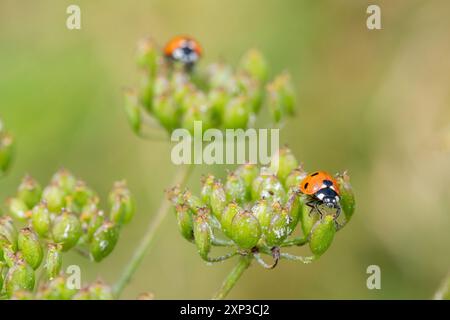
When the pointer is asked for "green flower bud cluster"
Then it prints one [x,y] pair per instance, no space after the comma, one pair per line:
[6,150]
[255,211]
[54,219]
[218,96]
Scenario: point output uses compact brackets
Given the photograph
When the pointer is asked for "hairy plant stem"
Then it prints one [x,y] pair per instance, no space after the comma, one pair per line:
[180,179]
[232,278]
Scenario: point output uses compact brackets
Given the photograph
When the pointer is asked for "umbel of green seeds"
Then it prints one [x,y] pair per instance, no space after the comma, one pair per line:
[61,216]
[219,95]
[259,211]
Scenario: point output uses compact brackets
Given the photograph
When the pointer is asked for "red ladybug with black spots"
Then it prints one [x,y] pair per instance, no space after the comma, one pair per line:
[183,49]
[321,188]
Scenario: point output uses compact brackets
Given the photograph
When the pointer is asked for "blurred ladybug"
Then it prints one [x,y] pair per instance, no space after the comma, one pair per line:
[183,49]
[322,188]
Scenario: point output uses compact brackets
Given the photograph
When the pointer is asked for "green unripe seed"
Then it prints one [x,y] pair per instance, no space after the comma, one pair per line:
[272,190]
[8,232]
[282,164]
[281,97]
[100,291]
[237,113]
[82,194]
[53,261]
[29,191]
[257,185]
[218,99]
[184,221]
[40,219]
[30,247]
[56,289]
[278,229]
[245,230]
[147,56]
[9,255]
[235,188]
[228,215]
[17,209]
[65,180]
[123,209]
[322,235]
[307,218]
[207,188]
[95,222]
[220,76]
[6,152]
[248,172]
[66,230]
[54,196]
[218,200]
[202,235]
[133,110]
[255,65]
[192,201]
[295,177]
[104,241]
[294,208]
[263,213]
[346,195]
[164,109]
[19,277]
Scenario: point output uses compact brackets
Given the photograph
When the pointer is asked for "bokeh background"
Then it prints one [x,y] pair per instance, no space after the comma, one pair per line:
[374,102]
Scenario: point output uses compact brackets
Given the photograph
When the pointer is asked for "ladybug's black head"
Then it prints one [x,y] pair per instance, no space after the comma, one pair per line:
[185,54]
[329,197]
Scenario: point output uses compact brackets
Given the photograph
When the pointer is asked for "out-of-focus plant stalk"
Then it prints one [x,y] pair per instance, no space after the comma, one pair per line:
[231,279]
[180,179]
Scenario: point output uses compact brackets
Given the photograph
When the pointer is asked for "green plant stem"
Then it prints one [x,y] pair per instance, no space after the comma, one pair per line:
[180,179]
[232,278]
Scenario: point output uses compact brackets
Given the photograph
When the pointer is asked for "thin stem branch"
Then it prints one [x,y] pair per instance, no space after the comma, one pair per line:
[299,241]
[146,242]
[221,258]
[292,257]
[232,278]
[221,242]
[263,263]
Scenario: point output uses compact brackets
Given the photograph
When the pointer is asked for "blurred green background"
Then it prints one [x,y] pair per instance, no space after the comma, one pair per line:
[374,102]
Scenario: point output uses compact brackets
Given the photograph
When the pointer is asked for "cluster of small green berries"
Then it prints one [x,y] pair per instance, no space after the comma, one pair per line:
[218,96]
[258,212]
[58,289]
[62,216]
[6,149]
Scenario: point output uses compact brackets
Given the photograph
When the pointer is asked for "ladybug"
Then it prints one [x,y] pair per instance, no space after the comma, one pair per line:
[322,188]
[184,49]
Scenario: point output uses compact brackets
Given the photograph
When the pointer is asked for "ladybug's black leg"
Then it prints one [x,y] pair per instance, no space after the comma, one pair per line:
[336,216]
[317,207]
[312,205]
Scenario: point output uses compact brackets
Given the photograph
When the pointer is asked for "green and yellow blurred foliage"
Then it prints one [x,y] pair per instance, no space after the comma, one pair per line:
[374,102]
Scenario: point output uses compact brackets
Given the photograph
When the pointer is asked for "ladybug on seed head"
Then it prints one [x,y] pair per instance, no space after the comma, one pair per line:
[322,188]
[183,49]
